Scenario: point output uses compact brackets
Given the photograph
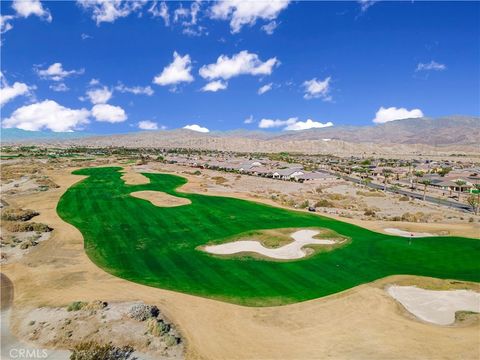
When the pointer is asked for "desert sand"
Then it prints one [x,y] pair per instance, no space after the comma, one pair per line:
[435,306]
[294,250]
[361,323]
[161,199]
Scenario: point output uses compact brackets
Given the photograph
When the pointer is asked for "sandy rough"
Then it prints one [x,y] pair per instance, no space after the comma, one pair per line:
[435,306]
[161,199]
[294,250]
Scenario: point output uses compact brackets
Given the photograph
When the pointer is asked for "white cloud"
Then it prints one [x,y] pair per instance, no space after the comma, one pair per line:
[59,87]
[178,71]
[270,27]
[248,120]
[56,72]
[384,115]
[214,86]
[8,93]
[242,12]
[25,8]
[148,125]
[243,63]
[309,124]
[263,89]
[195,127]
[432,65]
[317,89]
[47,115]
[99,96]
[109,113]
[292,124]
[365,4]
[5,24]
[273,123]
[108,10]
[85,36]
[160,9]
[94,82]
[136,90]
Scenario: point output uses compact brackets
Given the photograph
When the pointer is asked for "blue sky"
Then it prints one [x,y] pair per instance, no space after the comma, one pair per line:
[319,63]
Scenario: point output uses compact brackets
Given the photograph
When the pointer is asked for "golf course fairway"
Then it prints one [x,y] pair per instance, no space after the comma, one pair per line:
[158,246]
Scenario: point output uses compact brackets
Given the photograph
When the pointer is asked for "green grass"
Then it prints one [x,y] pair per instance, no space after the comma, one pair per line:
[135,240]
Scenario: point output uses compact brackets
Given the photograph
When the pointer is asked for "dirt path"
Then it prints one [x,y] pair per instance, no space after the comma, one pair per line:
[361,323]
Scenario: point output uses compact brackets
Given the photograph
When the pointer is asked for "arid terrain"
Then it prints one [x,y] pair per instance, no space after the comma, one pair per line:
[55,272]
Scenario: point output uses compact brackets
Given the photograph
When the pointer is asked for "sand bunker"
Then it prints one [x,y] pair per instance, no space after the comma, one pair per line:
[434,306]
[293,250]
[403,233]
[161,199]
[131,177]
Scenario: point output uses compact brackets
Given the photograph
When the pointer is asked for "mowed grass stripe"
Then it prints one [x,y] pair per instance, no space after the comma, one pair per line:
[158,246]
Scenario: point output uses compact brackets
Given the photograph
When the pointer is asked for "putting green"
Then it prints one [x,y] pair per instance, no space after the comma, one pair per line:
[133,239]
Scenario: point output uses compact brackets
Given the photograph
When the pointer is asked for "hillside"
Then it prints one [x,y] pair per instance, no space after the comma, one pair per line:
[424,135]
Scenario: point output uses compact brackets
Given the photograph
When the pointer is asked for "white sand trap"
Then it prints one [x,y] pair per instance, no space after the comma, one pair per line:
[161,199]
[435,306]
[404,233]
[293,250]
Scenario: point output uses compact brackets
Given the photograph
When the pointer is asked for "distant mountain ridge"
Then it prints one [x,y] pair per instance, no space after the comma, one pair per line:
[453,130]
[448,134]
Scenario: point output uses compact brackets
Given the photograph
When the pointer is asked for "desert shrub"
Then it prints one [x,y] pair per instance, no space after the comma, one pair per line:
[197,172]
[142,312]
[219,180]
[336,197]
[18,214]
[96,305]
[324,203]
[369,212]
[157,327]
[417,217]
[404,198]
[171,340]
[26,226]
[76,305]
[371,193]
[46,183]
[93,351]
[304,204]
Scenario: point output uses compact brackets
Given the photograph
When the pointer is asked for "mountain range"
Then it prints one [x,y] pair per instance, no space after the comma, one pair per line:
[448,134]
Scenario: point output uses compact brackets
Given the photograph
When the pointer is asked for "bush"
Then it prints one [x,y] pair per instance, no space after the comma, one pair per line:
[76,305]
[324,203]
[26,226]
[404,198]
[18,214]
[142,312]
[369,212]
[157,327]
[93,351]
[171,340]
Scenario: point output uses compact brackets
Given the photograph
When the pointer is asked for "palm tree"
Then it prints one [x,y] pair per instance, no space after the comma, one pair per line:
[477,187]
[425,183]
[418,175]
[386,174]
[460,184]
